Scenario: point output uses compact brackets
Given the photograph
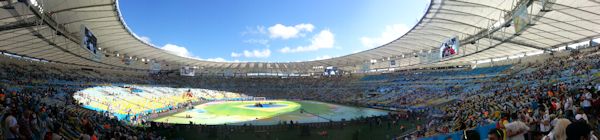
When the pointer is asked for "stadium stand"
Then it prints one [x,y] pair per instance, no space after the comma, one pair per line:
[535,93]
[535,82]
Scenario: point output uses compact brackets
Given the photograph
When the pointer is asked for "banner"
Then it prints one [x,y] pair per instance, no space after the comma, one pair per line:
[521,18]
[365,67]
[154,66]
[543,3]
[96,57]
[433,57]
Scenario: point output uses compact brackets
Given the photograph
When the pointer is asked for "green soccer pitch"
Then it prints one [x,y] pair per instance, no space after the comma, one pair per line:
[271,112]
[226,112]
[248,108]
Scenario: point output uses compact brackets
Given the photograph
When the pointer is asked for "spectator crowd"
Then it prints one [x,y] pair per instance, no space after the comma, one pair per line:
[553,98]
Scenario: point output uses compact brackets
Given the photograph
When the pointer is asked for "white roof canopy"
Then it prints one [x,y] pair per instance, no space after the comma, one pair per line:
[484,28]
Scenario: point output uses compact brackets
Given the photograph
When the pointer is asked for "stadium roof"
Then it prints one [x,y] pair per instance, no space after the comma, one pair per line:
[52,31]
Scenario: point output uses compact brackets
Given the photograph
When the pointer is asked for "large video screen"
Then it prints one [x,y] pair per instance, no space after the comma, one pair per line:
[89,41]
[187,71]
[331,71]
[449,47]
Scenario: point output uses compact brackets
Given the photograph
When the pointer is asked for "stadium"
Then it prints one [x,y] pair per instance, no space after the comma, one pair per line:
[466,69]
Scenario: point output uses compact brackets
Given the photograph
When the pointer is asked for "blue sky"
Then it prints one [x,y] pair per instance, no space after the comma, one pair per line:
[269,30]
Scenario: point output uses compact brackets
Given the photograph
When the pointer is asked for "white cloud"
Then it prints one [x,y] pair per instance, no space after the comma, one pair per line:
[254,30]
[254,53]
[390,33]
[183,52]
[177,50]
[145,39]
[234,54]
[218,59]
[322,40]
[263,42]
[287,32]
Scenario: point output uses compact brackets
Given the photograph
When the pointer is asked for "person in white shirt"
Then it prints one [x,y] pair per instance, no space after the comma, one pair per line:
[587,101]
[516,130]
[11,128]
[545,122]
[581,116]
[568,106]
[559,132]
